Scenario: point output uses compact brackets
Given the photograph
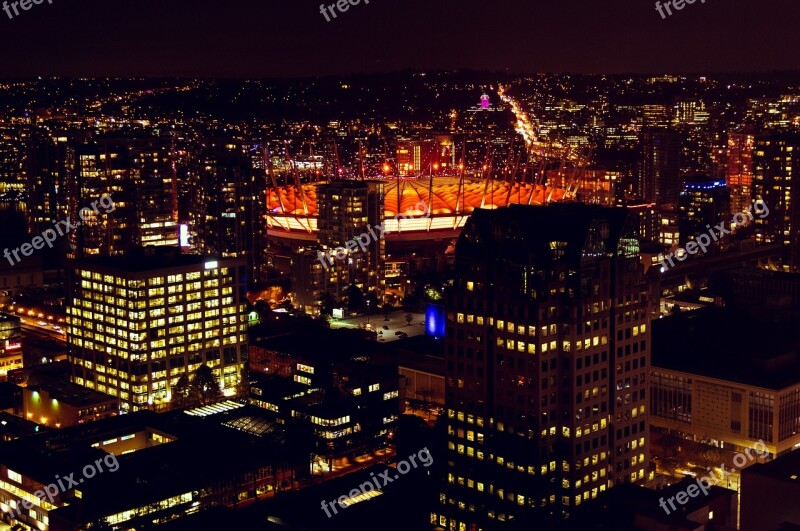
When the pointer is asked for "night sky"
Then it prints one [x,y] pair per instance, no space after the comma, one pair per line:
[269,38]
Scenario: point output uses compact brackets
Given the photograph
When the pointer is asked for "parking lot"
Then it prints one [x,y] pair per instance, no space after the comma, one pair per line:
[387,330]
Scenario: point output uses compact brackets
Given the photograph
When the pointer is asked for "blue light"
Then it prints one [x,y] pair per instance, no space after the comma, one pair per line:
[434,320]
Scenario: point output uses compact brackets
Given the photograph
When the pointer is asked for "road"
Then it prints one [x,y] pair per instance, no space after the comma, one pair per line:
[30,328]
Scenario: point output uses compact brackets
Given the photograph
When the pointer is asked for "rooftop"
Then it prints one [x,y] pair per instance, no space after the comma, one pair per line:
[785,468]
[544,234]
[758,349]
[143,259]
[323,344]
[6,318]
[71,394]
[192,460]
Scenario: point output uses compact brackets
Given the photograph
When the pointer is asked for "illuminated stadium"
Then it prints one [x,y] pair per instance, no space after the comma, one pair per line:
[293,209]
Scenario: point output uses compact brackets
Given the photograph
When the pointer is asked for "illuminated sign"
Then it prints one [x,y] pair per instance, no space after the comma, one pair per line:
[184,235]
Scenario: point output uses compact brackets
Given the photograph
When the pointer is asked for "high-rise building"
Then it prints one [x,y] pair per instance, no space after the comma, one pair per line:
[45,179]
[138,176]
[775,158]
[348,209]
[155,196]
[702,203]
[12,160]
[659,176]
[649,218]
[138,322]
[309,279]
[227,204]
[739,170]
[669,232]
[547,350]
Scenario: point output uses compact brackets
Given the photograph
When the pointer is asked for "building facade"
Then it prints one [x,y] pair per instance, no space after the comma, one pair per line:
[350,209]
[775,182]
[138,176]
[136,323]
[725,413]
[702,203]
[227,205]
[10,344]
[659,175]
[547,351]
[739,170]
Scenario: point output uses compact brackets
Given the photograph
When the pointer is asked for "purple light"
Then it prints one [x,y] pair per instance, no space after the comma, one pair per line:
[485,102]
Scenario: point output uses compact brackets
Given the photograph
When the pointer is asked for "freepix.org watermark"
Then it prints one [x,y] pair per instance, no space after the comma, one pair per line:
[366,238]
[63,484]
[51,235]
[677,4]
[386,477]
[703,241]
[342,6]
[706,482]
[24,4]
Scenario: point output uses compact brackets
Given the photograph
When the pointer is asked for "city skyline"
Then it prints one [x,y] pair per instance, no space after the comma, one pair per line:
[407,266]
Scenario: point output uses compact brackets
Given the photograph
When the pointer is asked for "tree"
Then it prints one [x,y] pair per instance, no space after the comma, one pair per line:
[355,299]
[409,318]
[711,456]
[206,385]
[327,303]
[182,393]
[387,309]
[199,390]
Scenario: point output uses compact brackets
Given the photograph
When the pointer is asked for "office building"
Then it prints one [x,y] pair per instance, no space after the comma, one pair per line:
[48,398]
[133,470]
[346,400]
[137,322]
[727,377]
[655,115]
[547,351]
[669,231]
